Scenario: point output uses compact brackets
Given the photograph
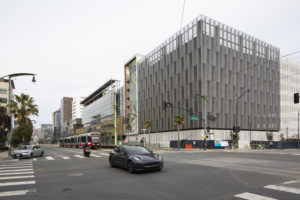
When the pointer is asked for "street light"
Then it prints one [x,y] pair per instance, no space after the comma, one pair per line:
[236,114]
[9,94]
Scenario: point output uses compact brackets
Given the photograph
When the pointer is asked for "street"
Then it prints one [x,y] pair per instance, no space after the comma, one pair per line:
[66,174]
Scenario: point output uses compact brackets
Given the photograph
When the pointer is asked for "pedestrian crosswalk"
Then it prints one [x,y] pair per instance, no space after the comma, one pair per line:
[282,187]
[16,178]
[64,157]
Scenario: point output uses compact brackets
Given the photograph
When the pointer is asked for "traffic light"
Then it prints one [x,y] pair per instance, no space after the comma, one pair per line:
[296,97]
[236,129]
[164,105]
[7,123]
[208,129]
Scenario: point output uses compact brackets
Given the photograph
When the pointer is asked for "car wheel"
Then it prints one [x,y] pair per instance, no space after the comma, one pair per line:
[31,155]
[42,154]
[111,164]
[130,167]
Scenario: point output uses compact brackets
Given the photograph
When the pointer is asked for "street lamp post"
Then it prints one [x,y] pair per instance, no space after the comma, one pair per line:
[9,95]
[236,114]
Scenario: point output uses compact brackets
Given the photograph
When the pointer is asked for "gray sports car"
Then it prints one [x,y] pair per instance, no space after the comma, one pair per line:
[27,151]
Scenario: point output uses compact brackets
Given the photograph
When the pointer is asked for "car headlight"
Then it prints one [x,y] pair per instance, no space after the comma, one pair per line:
[26,152]
[136,158]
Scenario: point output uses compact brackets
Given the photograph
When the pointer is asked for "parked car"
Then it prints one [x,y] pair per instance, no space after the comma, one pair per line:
[135,158]
[27,151]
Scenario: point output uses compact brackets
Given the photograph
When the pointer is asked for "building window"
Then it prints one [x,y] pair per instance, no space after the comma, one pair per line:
[3,91]
[3,100]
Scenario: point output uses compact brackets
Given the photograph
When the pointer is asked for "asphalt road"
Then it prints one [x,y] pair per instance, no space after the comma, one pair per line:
[64,174]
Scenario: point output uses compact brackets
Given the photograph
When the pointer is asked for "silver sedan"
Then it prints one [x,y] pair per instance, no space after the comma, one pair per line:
[27,151]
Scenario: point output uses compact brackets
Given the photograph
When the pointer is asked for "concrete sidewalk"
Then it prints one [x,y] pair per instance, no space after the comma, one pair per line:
[4,155]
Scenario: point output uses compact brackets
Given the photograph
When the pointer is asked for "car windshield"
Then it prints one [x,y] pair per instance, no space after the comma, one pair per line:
[24,147]
[137,150]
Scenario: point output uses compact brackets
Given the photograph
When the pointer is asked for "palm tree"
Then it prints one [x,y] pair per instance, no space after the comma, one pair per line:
[178,121]
[148,125]
[23,107]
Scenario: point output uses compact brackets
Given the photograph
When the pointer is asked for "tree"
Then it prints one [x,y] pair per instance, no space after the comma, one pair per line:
[148,125]
[269,136]
[3,130]
[22,134]
[23,107]
[128,128]
[234,138]
[178,121]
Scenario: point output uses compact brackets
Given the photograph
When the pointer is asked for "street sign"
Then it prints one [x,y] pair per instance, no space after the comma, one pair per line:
[194,117]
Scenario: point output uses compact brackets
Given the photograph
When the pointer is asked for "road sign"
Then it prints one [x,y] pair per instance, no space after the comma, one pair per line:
[194,117]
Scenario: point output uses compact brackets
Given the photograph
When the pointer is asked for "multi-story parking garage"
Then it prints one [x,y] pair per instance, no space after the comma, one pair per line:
[214,60]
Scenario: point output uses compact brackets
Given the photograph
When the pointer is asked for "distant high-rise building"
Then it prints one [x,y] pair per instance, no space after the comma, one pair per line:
[56,125]
[77,107]
[66,114]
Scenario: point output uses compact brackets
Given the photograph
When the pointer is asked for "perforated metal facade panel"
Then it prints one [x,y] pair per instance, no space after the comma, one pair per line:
[219,62]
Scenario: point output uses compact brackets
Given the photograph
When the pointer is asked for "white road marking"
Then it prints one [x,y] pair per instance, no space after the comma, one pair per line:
[78,156]
[22,167]
[284,189]
[96,156]
[34,159]
[17,183]
[66,158]
[15,170]
[16,173]
[49,158]
[104,154]
[27,165]
[16,177]
[290,182]
[251,196]
[13,193]
[296,154]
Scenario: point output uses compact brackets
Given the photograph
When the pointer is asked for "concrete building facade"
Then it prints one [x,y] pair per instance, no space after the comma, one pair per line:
[66,114]
[4,86]
[290,79]
[77,107]
[209,58]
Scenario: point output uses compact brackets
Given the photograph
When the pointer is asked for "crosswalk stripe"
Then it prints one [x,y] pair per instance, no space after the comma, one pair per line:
[96,156]
[15,170]
[66,158]
[296,154]
[284,189]
[78,156]
[17,183]
[251,196]
[49,158]
[103,154]
[13,193]
[15,177]
[27,165]
[22,167]
[34,159]
[290,182]
[15,173]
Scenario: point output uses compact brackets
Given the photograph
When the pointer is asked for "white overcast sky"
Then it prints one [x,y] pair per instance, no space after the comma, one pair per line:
[74,46]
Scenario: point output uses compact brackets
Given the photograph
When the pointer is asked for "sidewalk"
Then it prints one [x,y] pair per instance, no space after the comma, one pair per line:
[4,155]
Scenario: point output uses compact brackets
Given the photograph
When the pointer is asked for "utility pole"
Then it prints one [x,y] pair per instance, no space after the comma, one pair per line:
[236,115]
